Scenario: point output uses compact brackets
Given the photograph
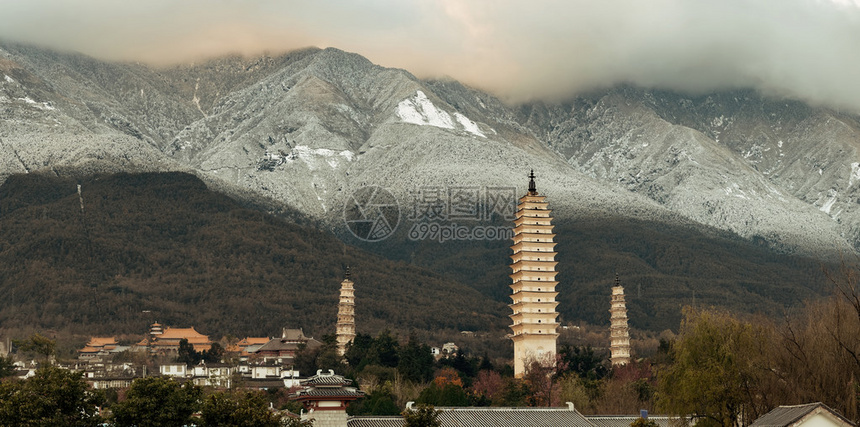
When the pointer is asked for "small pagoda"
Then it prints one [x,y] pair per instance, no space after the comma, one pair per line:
[345,315]
[619,333]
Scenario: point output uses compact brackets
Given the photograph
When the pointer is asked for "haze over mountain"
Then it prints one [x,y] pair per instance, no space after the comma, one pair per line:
[805,49]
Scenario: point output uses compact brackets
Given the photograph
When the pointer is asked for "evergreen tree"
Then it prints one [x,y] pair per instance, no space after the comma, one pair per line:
[213,355]
[357,351]
[7,366]
[416,361]
[241,409]
[421,416]
[38,344]
[385,349]
[155,401]
[187,354]
[53,397]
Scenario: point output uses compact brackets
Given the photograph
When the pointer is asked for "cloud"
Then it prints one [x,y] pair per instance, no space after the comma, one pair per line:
[552,49]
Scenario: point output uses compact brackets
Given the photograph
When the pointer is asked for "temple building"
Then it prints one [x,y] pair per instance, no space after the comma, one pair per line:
[533,264]
[325,397]
[619,334]
[163,340]
[345,315]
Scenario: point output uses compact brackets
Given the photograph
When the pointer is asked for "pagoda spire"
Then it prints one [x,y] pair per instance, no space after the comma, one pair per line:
[532,188]
[534,317]
[345,314]
[619,334]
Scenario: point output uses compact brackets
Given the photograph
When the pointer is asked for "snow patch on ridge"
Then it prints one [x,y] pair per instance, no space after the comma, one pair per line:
[309,155]
[419,110]
[828,204]
[855,174]
[39,105]
[469,125]
[8,79]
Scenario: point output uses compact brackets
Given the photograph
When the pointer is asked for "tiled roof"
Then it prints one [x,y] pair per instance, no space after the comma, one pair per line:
[326,379]
[511,417]
[252,341]
[488,417]
[783,416]
[375,421]
[88,349]
[188,333]
[625,420]
[101,341]
[329,392]
[293,335]
[278,345]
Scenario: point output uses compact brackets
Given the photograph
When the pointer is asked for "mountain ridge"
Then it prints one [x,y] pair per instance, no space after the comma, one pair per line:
[305,130]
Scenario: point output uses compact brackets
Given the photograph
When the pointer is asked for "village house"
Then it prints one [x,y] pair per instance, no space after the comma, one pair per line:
[218,375]
[809,415]
[103,376]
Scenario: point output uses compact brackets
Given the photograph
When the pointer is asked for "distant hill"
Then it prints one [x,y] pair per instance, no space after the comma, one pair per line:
[163,242]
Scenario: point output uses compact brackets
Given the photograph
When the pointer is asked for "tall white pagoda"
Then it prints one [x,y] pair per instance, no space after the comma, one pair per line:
[533,264]
[619,335]
[345,315]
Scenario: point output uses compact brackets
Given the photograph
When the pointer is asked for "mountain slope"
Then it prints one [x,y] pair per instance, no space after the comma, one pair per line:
[697,180]
[307,129]
[164,243]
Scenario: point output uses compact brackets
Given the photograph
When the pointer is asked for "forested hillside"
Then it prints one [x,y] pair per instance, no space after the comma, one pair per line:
[161,246]
[662,268]
[166,244]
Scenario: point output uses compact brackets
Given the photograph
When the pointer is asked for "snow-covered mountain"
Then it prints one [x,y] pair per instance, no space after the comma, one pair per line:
[310,128]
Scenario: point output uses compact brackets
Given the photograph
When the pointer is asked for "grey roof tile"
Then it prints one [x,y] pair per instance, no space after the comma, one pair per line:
[783,416]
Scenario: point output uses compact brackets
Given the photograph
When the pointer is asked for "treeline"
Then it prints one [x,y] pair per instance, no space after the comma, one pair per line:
[722,369]
[58,397]
[160,246]
[392,373]
[662,267]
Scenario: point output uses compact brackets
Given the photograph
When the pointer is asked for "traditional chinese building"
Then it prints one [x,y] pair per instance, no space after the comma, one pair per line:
[619,334]
[284,349]
[345,315]
[325,397]
[98,346]
[164,340]
[533,299]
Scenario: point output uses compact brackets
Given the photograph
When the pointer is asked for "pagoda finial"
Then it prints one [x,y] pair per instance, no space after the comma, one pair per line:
[347,274]
[617,280]
[532,189]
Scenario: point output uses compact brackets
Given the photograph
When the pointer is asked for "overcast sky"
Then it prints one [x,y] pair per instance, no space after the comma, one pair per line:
[807,49]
